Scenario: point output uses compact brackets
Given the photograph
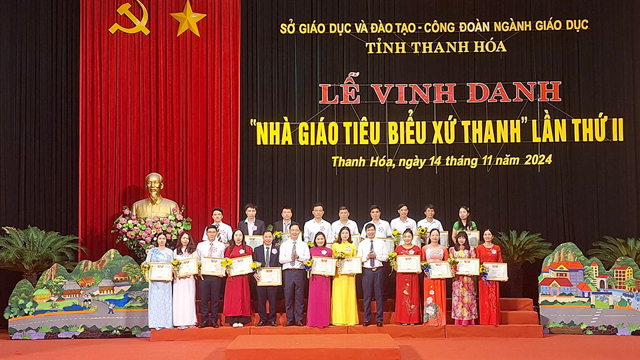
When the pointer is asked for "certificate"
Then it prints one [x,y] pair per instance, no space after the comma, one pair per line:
[323,266]
[160,271]
[270,276]
[241,265]
[440,270]
[391,244]
[474,238]
[468,267]
[212,266]
[356,239]
[253,240]
[188,267]
[444,238]
[408,263]
[497,271]
[352,265]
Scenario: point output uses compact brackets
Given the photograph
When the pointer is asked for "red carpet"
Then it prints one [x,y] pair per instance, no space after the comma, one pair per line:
[583,347]
[295,347]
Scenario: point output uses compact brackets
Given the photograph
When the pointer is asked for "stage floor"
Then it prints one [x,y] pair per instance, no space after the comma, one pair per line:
[550,346]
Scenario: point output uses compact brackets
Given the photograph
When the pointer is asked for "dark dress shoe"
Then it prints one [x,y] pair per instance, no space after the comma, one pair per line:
[299,323]
[289,323]
[273,323]
[366,323]
[215,325]
[203,324]
[379,324]
[260,323]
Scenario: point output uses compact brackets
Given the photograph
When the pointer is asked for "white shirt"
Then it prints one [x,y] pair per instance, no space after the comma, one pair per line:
[435,224]
[286,226]
[203,249]
[250,226]
[379,247]
[337,225]
[224,233]
[286,250]
[401,226]
[312,227]
[383,230]
[185,254]
[270,250]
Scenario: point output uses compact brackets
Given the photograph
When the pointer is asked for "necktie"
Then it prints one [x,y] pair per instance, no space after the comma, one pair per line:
[267,257]
[292,250]
[372,262]
[286,228]
[210,249]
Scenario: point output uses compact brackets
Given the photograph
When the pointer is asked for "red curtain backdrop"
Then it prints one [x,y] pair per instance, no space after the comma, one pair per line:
[162,103]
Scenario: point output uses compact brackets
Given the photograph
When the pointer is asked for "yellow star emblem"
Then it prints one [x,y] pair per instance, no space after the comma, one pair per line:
[188,19]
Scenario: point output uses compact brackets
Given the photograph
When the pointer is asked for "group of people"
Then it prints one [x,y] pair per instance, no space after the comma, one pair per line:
[332,300]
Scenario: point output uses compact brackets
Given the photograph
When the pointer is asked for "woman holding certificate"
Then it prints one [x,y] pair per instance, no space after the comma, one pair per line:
[435,290]
[463,293]
[184,288]
[319,306]
[489,291]
[159,307]
[407,285]
[344,303]
[237,297]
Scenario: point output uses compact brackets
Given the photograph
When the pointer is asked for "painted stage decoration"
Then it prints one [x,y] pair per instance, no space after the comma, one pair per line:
[578,295]
[101,299]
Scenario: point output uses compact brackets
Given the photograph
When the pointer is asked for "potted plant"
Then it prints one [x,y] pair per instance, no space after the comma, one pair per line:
[518,248]
[609,250]
[31,251]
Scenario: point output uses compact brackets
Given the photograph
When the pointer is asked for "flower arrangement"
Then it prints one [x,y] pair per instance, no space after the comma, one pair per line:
[339,256]
[176,265]
[310,244]
[256,266]
[307,264]
[396,237]
[393,259]
[422,232]
[145,269]
[307,267]
[484,271]
[227,263]
[200,270]
[425,267]
[277,237]
[453,262]
[139,234]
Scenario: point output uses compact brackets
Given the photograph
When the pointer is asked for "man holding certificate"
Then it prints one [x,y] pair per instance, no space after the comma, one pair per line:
[267,254]
[373,252]
[293,254]
[210,285]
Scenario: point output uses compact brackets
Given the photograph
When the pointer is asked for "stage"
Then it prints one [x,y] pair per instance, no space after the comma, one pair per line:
[550,346]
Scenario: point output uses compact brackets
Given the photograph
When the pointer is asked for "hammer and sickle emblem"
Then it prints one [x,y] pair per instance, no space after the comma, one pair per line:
[139,24]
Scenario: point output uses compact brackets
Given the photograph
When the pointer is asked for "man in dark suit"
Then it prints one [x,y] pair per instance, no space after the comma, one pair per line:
[251,225]
[267,255]
[284,224]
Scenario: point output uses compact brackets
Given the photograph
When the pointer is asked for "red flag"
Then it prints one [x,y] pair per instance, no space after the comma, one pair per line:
[158,102]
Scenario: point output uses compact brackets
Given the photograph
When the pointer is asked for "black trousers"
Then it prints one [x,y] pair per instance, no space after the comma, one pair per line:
[294,294]
[210,289]
[372,284]
[267,293]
